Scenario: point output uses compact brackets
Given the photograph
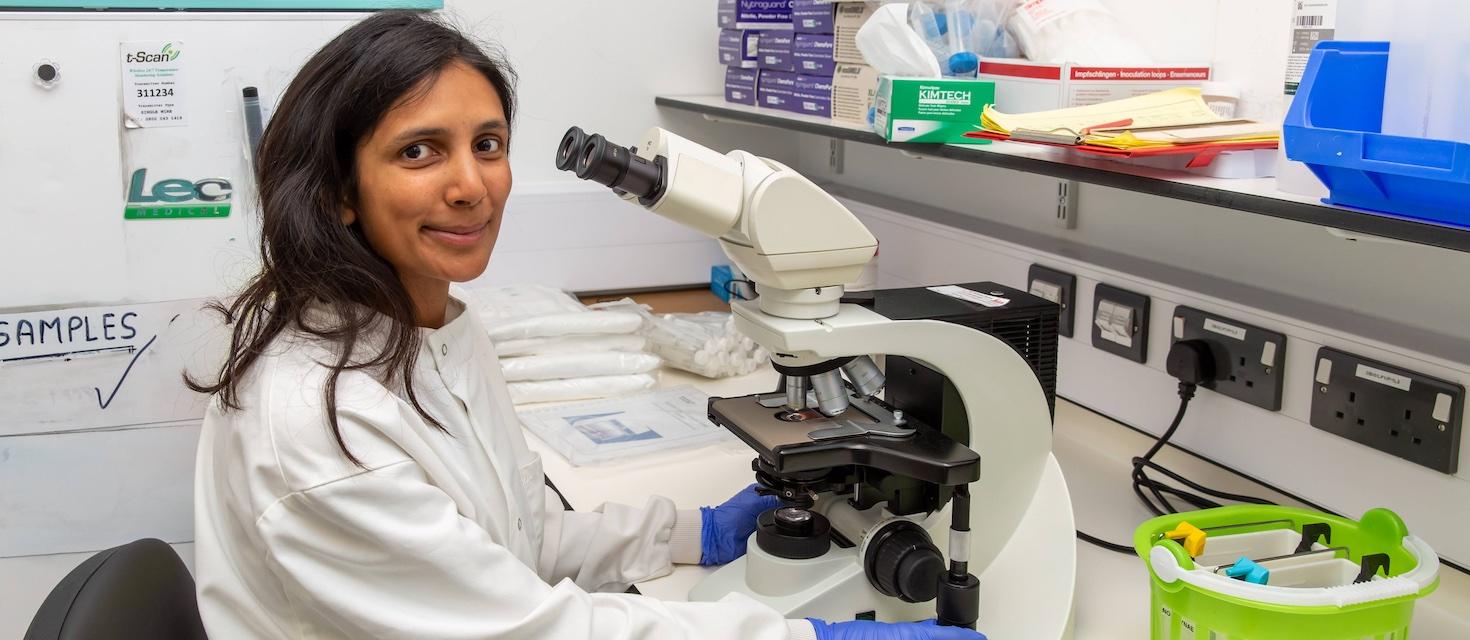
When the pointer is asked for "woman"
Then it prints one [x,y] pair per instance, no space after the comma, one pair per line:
[361,472]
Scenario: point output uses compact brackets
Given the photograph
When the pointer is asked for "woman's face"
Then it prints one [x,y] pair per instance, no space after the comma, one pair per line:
[432,181]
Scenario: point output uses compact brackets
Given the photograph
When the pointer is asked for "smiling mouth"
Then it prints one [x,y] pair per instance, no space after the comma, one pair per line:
[460,235]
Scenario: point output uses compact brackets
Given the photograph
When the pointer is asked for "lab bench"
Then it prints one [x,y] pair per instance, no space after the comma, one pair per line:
[1249,195]
[1094,453]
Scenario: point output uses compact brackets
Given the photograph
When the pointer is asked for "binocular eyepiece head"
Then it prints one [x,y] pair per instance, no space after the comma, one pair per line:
[593,157]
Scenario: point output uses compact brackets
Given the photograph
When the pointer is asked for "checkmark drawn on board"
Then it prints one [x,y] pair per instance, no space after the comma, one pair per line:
[104,403]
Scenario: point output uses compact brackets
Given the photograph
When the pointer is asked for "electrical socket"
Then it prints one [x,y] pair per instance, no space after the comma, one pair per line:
[1056,286]
[1248,359]
[1394,410]
[1120,322]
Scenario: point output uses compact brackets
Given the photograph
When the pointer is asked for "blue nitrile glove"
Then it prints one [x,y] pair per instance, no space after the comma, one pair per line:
[868,630]
[727,526]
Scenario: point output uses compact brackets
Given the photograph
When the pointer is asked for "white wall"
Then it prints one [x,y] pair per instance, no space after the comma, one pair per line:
[598,65]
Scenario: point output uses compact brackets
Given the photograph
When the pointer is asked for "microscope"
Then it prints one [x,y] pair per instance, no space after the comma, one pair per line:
[943,452]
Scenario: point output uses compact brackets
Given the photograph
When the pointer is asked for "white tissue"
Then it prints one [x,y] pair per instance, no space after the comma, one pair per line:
[892,47]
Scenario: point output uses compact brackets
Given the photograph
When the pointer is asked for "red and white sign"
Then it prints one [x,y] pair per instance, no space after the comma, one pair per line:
[1023,86]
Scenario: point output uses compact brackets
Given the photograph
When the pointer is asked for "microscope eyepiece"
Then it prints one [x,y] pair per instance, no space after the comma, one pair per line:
[593,157]
[571,145]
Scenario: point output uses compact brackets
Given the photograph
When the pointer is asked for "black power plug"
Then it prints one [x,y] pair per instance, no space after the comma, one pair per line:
[1191,362]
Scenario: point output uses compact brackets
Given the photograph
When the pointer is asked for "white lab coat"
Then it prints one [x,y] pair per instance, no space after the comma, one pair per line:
[441,535]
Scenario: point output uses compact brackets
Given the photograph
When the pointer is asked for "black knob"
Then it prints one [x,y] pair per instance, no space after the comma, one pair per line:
[904,563]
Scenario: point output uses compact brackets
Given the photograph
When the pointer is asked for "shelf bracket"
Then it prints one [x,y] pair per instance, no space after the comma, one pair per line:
[836,155]
[1067,204]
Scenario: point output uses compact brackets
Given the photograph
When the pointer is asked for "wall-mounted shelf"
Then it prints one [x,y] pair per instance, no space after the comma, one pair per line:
[1258,196]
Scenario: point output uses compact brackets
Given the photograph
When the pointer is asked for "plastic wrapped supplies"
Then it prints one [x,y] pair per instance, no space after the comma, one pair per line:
[554,349]
[703,343]
[1061,31]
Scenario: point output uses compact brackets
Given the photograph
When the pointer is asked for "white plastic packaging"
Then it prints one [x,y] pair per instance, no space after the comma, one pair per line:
[577,365]
[521,311]
[892,47]
[1081,31]
[579,388]
[570,344]
[702,343]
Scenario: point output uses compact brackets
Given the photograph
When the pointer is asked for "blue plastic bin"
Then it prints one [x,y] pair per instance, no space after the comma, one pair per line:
[1333,126]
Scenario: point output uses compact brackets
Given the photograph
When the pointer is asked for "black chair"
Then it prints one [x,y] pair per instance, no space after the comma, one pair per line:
[138,591]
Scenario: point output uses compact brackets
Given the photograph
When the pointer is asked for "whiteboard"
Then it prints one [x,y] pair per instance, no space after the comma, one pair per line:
[100,315]
[67,158]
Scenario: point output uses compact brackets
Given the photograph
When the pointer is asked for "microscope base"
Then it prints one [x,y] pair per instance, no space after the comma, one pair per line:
[1027,592]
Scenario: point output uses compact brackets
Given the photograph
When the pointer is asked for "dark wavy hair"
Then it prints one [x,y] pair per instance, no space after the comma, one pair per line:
[306,172]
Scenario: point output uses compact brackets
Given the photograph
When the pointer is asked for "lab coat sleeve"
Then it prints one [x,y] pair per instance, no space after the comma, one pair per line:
[385,554]
[616,545]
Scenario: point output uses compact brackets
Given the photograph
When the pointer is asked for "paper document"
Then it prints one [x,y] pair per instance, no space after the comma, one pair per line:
[1228,131]
[616,429]
[1174,107]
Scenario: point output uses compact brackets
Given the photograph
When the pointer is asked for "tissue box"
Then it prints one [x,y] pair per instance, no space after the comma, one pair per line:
[930,109]
[853,86]
[850,17]
[1023,86]
[754,14]
[776,89]
[813,96]
[740,85]
[812,54]
[738,48]
[811,16]
[775,52]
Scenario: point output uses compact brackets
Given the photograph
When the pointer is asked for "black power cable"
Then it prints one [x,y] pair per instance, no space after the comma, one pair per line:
[1191,363]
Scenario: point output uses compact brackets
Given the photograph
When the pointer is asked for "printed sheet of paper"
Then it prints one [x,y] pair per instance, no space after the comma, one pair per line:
[1174,107]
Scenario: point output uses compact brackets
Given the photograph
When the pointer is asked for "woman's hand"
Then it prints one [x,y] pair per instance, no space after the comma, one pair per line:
[727,526]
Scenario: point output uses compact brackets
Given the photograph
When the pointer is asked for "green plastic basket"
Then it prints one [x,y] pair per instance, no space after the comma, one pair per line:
[1191,601]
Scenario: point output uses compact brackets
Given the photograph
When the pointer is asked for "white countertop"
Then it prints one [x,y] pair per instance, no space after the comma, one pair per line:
[1094,452]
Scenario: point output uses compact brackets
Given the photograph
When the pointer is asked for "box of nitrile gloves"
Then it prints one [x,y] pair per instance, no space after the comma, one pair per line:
[930,109]
[813,95]
[755,14]
[853,86]
[774,49]
[812,53]
[740,85]
[776,90]
[811,16]
[739,48]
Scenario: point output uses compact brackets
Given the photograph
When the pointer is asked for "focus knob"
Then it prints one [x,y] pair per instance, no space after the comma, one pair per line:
[903,562]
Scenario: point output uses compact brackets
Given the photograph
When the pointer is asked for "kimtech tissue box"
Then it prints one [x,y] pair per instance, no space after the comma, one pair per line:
[812,16]
[812,53]
[776,90]
[774,49]
[739,48]
[740,85]
[755,14]
[930,109]
[813,95]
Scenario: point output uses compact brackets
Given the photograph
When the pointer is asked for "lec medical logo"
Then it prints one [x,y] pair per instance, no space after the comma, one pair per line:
[167,54]
[176,198]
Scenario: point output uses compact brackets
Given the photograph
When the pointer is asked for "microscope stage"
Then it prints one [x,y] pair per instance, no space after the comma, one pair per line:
[789,446]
